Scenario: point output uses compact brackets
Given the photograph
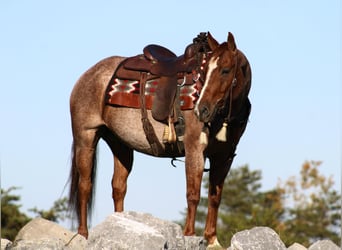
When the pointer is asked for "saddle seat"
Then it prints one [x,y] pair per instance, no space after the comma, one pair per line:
[156,52]
[161,61]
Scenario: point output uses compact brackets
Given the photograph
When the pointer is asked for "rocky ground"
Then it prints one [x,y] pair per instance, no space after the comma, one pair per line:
[133,230]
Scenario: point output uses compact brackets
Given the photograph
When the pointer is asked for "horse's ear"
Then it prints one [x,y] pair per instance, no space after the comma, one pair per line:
[231,42]
[213,44]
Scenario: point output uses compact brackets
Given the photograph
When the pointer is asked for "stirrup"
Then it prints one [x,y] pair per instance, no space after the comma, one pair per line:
[169,135]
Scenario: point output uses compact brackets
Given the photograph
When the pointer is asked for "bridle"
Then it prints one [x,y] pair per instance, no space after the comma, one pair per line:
[228,119]
[203,55]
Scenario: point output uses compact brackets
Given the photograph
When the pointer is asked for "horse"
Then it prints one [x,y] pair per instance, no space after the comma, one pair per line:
[212,131]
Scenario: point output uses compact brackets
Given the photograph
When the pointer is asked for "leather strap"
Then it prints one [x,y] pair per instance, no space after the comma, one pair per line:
[150,134]
[180,122]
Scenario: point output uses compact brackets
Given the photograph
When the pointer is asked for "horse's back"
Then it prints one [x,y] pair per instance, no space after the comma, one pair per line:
[87,97]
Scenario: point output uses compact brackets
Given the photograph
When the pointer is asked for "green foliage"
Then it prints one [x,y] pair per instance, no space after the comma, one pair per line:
[243,205]
[315,213]
[299,211]
[58,212]
[12,219]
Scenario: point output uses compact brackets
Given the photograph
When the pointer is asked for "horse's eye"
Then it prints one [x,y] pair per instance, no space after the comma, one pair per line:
[225,71]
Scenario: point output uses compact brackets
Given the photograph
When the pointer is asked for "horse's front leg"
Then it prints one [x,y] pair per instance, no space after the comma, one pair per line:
[194,164]
[214,199]
[218,172]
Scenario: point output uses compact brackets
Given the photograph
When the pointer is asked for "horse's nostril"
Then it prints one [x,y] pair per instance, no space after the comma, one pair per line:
[204,111]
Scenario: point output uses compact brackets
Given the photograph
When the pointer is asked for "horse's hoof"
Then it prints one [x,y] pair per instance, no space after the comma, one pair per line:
[215,246]
[84,233]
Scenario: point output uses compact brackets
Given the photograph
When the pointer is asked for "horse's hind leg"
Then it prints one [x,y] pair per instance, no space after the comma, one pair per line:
[122,168]
[85,156]
[83,175]
[123,161]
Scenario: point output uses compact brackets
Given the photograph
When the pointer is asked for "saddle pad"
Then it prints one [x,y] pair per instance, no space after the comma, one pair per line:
[122,92]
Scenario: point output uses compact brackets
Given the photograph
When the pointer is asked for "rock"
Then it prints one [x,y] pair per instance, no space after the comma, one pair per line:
[127,230]
[324,245]
[133,230]
[195,242]
[44,234]
[296,246]
[5,243]
[257,238]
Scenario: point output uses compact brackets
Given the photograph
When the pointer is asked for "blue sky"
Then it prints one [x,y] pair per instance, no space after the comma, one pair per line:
[294,48]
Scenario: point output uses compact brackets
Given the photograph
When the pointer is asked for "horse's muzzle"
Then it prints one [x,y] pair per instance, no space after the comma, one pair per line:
[203,113]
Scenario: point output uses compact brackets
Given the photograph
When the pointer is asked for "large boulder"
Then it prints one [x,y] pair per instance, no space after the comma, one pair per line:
[133,230]
[324,245]
[126,230]
[44,234]
[257,238]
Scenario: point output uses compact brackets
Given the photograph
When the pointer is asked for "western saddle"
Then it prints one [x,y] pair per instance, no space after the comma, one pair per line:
[158,62]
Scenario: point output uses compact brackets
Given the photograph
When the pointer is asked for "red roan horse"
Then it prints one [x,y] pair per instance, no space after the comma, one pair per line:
[212,130]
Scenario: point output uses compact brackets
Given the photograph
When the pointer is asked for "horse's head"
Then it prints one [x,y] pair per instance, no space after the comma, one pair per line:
[225,72]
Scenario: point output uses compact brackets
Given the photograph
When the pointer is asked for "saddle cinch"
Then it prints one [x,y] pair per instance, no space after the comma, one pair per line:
[163,68]
[159,62]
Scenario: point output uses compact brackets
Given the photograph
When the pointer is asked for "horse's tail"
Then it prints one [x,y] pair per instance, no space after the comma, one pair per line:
[74,191]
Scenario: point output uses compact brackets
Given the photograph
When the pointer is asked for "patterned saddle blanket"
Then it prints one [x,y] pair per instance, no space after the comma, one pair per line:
[126,93]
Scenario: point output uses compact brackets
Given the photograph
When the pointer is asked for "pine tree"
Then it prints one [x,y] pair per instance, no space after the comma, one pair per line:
[58,212]
[314,211]
[243,205]
[12,220]
[303,209]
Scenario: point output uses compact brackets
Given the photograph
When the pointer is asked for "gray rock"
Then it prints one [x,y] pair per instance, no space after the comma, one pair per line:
[257,238]
[296,246]
[5,243]
[324,245]
[133,230]
[44,234]
[42,244]
[195,242]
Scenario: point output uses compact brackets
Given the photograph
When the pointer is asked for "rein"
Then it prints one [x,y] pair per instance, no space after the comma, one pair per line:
[230,96]
[222,134]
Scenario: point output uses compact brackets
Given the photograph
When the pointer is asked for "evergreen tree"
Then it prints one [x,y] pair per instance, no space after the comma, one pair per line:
[244,205]
[314,211]
[12,220]
[303,210]
[58,212]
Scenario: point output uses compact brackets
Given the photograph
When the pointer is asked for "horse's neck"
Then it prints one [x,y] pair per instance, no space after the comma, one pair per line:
[239,105]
